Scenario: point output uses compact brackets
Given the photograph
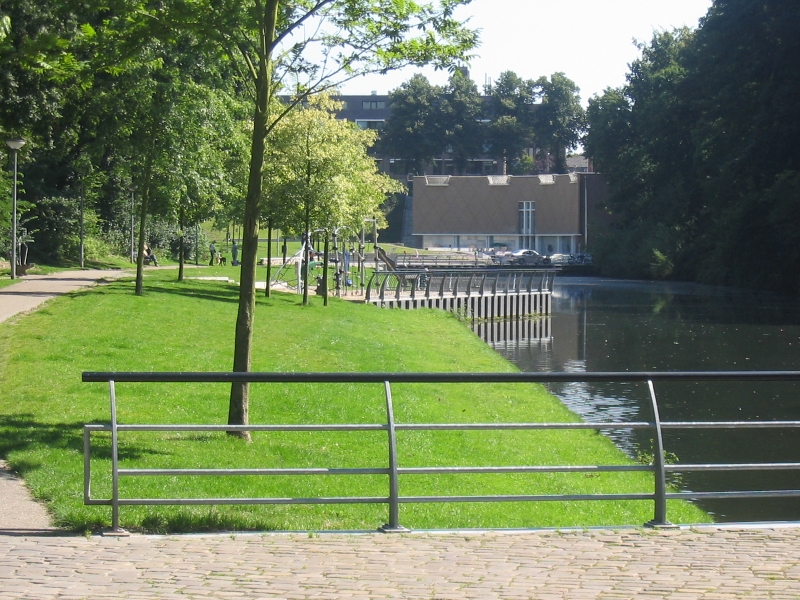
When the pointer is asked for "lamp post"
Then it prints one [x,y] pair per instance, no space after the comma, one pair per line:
[15,145]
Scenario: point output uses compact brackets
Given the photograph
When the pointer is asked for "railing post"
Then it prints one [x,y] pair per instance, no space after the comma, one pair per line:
[393,526]
[660,515]
[87,465]
[115,528]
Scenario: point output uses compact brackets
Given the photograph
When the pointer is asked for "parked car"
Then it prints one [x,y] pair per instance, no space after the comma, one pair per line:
[530,258]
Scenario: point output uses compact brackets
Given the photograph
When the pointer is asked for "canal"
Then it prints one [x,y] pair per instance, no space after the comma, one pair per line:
[610,325]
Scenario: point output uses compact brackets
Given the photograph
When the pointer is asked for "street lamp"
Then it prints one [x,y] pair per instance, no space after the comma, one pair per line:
[15,145]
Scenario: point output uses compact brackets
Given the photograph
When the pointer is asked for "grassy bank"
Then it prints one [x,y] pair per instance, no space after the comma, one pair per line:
[189,327]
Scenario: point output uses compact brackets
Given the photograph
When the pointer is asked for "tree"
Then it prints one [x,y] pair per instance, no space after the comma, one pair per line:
[347,38]
[319,174]
[414,132]
[511,108]
[559,121]
[700,150]
[461,111]
[639,138]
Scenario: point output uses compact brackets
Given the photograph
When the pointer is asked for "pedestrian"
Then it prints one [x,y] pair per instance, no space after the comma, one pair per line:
[235,252]
[213,250]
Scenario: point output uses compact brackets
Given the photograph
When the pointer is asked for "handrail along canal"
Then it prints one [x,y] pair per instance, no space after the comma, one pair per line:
[660,495]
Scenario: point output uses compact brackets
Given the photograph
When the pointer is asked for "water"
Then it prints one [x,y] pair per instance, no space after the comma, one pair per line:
[607,325]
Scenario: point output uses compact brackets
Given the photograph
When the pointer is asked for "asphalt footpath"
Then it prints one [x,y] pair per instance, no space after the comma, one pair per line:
[18,512]
[39,561]
[32,291]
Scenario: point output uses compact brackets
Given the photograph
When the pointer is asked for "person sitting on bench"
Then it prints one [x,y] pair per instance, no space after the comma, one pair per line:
[149,257]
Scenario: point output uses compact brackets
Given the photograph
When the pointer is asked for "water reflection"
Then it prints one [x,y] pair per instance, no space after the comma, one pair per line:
[606,325]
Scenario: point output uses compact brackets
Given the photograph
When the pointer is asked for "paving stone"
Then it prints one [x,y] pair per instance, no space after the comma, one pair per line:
[682,564]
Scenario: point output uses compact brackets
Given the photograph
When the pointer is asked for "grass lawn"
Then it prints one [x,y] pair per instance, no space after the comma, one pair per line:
[189,327]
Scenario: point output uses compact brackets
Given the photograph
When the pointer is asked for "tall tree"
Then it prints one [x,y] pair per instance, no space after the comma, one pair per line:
[512,104]
[414,129]
[461,112]
[649,166]
[559,121]
[277,40]
[700,151]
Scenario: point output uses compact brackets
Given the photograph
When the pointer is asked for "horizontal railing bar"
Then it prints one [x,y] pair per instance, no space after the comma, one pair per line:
[534,469]
[735,494]
[207,501]
[435,499]
[378,500]
[180,428]
[502,426]
[524,498]
[236,472]
[256,377]
[728,424]
[384,471]
[734,467]
[459,426]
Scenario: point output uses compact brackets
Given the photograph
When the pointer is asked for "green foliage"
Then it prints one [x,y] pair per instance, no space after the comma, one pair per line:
[415,130]
[461,109]
[517,115]
[318,168]
[511,108]
[700,151]
[560,119]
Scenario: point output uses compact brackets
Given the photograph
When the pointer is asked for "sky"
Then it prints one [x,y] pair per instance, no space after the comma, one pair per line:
[590,41]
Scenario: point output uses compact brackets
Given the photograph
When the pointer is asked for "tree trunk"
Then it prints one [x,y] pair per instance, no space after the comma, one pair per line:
[156,117]
[239,407]
[269,255]
[148,173]
[182,246]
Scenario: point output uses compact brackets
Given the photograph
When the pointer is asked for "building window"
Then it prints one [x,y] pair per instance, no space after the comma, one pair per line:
[527,223]
[376,124]
[373,105]
[344,104]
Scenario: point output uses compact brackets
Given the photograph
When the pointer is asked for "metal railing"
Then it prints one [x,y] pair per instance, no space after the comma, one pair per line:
[393,471]
[441,283]
[442,260]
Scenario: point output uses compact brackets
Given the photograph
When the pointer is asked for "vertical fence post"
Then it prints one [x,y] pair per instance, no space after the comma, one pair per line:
[660,516]
[393,526]
[87,466]
[115,528]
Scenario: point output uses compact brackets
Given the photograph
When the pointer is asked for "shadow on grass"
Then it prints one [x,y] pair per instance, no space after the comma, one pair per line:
[228,294]
[23,432]
[215,294]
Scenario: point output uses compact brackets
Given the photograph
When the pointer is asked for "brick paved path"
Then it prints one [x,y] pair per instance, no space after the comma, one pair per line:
[708,563]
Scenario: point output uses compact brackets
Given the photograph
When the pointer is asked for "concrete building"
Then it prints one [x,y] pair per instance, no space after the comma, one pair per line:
[547,213]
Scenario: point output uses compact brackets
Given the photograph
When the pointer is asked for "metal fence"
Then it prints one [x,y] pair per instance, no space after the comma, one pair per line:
[452,283]
[394,499]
